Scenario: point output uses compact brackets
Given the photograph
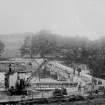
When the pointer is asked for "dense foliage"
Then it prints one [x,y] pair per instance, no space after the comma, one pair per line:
[70,49]
[1,47]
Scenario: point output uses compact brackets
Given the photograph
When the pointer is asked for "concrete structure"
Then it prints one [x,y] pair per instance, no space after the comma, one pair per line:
[55,75]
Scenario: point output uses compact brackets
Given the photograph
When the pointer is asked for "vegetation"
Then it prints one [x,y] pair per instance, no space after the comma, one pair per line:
[2,46]
[70,49]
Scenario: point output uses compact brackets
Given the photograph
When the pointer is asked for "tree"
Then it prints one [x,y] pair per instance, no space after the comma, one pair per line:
[26,47]
[43,46]
[1,47]
[41,43]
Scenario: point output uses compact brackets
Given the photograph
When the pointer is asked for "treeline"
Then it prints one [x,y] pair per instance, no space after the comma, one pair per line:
[70,49]
[2,48]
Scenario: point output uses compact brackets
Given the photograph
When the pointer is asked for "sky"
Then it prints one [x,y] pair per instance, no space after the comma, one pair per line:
[66,17]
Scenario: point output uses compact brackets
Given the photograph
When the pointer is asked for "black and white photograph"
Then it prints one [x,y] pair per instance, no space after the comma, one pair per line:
[52,52]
